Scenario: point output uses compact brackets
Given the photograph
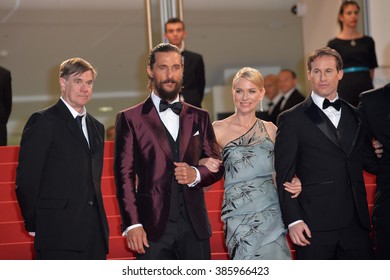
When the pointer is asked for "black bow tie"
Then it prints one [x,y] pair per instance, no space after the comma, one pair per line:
[175,107]
[336,104]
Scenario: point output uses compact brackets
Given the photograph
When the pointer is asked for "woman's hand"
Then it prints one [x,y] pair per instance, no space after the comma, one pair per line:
[211,163]
[295,187]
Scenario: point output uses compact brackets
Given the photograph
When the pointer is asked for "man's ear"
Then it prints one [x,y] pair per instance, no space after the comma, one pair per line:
[62,82]
[150,72]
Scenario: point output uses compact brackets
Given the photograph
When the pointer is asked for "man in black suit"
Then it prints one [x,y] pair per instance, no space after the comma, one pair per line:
[194,80]
[291,96]
[5,103]
[375,108]
[322,143]
[59,173]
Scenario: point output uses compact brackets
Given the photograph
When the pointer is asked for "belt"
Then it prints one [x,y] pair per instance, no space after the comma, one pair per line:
[356,69]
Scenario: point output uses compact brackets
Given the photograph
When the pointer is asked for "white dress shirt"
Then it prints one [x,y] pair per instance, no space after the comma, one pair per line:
[330,112]
[75,114]
[168,117]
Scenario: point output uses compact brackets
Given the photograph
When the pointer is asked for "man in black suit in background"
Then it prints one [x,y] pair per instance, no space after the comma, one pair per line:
[194,80]
[5,103]
[291,96]
[321,141]
[59,173]
[375,108]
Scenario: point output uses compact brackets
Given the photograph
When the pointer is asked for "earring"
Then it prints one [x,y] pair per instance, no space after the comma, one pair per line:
[261,106]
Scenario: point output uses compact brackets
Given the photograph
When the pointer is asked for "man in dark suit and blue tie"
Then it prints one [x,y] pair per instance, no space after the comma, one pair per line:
[160,141]
[58,179]
[194,80]
[321,141]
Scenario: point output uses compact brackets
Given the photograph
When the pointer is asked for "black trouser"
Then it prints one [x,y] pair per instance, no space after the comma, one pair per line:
[179,242]
[350,243]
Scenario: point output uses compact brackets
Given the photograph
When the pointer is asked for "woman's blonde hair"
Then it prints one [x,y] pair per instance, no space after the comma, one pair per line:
[251,74]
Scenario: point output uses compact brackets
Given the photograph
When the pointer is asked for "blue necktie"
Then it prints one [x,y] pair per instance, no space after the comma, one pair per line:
[79,120]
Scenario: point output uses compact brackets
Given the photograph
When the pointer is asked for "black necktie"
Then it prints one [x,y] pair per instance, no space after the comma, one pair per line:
[336,104]
[175,107]
[79,120]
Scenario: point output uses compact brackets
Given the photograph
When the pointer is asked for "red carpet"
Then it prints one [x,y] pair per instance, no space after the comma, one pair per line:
[15,243]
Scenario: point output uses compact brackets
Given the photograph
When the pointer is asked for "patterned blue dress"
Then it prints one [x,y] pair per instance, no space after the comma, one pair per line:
[250,211]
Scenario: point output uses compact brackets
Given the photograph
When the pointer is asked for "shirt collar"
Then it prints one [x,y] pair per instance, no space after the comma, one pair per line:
[182,46]
[319,100]
[277,98]
[288,94]
[72,110]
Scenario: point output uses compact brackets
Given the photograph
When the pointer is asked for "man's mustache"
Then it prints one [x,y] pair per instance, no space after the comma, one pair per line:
[169,81]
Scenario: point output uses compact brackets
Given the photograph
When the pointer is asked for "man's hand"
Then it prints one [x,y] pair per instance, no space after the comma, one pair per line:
[299,234]
[136,240]
[378,148]
[184,173]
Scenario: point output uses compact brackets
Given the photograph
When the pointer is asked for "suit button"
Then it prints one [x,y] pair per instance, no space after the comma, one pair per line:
[90,202]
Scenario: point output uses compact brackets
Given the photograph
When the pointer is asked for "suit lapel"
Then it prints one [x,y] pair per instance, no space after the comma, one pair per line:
[95,139]
[72,125]
[358,132]
[313,113]
[186,131]
[152,119]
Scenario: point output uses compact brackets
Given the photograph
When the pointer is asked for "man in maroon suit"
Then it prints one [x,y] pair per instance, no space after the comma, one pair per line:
[161,141]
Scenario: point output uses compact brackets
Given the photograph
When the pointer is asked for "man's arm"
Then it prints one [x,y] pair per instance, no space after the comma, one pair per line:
[125,178]
[370,159]
[124,171]
[209,149]
[34,150]
[286,150]
[286,153]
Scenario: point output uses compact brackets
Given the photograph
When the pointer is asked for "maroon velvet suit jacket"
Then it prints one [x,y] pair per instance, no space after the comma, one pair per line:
[142,148]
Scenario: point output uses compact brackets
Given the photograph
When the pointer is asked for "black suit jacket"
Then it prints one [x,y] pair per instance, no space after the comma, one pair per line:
[330,169]
[295,98]
[5,103]
[57,176]
[375,108]
[194,80]
[142,149]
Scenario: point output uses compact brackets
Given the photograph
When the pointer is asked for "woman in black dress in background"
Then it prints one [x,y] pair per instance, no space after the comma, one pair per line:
[358,53]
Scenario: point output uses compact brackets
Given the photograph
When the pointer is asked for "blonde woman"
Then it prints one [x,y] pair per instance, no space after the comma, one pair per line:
[250,210]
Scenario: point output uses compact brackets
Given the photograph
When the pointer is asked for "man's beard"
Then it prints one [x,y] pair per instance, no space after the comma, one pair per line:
[167,95]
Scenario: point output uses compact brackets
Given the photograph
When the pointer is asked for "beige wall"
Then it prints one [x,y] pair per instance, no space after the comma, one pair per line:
[115,42]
